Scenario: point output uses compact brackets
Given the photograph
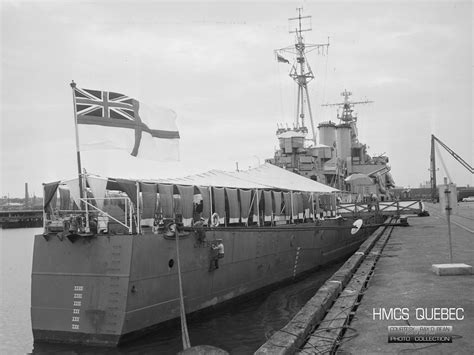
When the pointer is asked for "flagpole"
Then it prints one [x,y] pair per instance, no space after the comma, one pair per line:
[78,153]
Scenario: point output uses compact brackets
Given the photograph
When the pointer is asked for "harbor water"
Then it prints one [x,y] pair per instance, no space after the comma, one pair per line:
[240,327]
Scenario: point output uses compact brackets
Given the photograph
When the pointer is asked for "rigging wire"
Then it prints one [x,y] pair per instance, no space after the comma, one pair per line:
[325,77]
[442,163]
[184,326]
[282,111]
[296,94]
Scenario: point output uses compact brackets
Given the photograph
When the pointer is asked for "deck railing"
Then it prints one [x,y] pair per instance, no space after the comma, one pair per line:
[93,219]
[391,208]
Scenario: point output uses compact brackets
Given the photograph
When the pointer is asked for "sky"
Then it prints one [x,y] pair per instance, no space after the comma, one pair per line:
[213,63]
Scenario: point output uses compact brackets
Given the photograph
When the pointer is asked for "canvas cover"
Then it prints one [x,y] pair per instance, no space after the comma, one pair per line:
[186,205]
[233,200]
[277,202]
[219,203]
[98,188]
[74,190]
[266,176]
[206,202]
[268,212]
[149,192]
[287,201]
[64,198]
[245,201]
[256,204]
[298,198]
[166,200]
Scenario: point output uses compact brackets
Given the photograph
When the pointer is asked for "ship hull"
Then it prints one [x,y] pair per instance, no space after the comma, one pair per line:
[105,289]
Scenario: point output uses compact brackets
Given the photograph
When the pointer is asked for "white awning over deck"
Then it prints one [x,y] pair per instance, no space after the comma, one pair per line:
[266,176]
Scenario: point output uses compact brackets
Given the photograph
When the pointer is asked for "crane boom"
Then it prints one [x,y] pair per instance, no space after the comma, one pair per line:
[433,163]
[453,153]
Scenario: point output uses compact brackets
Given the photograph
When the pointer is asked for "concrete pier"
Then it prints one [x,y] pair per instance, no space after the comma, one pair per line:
[398,278]
[403,279]
[294,335]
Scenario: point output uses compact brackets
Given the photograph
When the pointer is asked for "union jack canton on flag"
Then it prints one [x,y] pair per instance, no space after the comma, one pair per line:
[110,120]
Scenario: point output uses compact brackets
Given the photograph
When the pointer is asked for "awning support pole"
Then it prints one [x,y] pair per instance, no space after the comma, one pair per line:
[84,192]
[258,209]
[210,199]
[138,208]
[292,207]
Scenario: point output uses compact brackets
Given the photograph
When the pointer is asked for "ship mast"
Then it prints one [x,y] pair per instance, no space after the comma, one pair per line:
[301,71]
[347,115]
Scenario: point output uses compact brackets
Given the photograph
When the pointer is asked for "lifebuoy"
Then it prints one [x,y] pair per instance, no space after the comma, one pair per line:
[356,226]
[215,220]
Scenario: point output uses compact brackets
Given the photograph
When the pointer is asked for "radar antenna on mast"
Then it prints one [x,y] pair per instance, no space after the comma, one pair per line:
[347,115]
[301,71]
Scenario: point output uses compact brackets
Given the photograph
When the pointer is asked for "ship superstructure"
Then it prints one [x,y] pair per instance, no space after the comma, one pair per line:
[339,153]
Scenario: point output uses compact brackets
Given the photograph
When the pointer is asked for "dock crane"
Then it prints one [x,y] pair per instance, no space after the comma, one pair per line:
[433,163]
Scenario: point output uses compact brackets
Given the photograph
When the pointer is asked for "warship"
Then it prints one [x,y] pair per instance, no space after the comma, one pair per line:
[126,256]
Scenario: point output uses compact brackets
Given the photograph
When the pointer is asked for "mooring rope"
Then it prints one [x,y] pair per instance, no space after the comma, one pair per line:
[184,326]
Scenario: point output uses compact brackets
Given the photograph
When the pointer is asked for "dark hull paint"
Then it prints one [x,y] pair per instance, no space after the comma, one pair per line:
[107,289]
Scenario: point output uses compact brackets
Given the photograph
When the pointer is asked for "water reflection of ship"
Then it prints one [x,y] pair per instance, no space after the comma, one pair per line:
[339,153]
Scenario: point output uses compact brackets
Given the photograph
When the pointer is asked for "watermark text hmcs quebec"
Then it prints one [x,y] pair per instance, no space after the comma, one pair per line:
[427,314]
